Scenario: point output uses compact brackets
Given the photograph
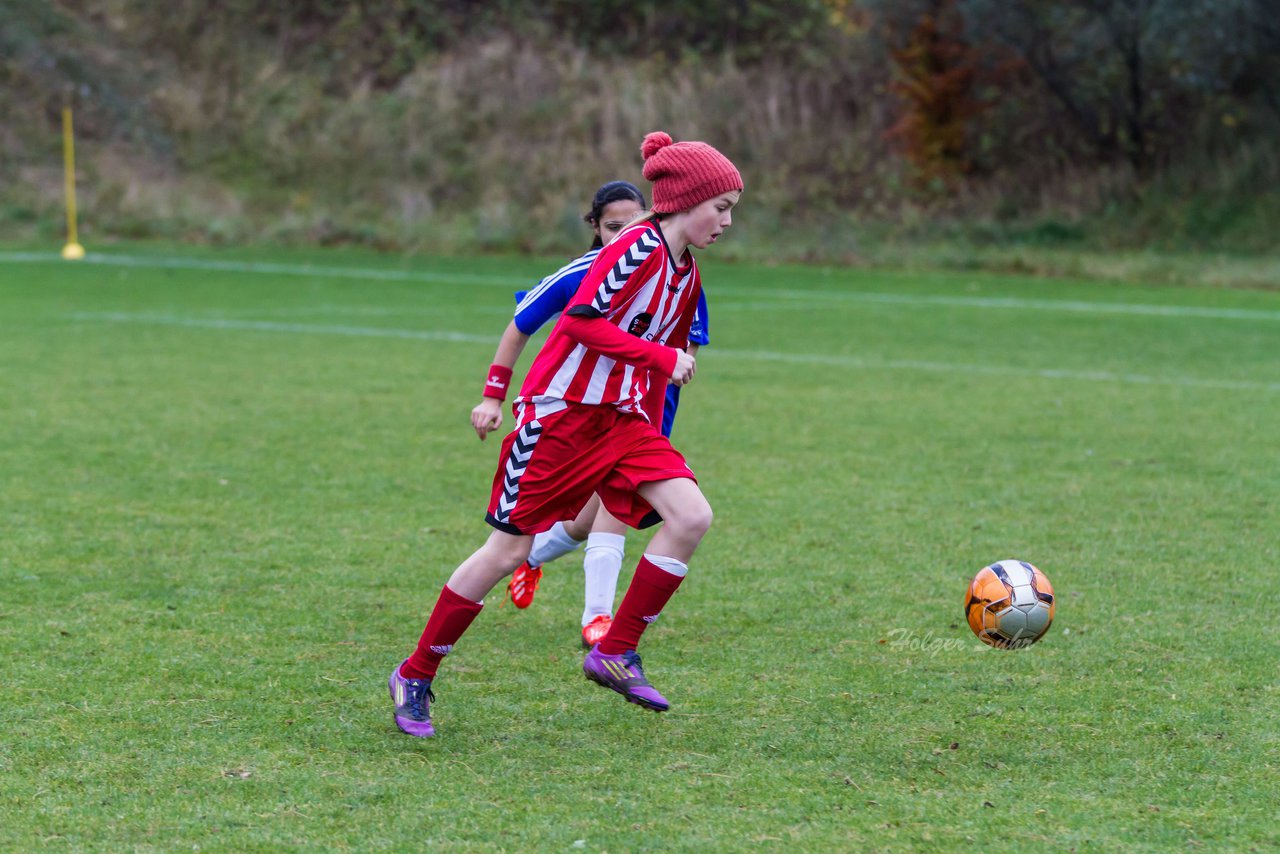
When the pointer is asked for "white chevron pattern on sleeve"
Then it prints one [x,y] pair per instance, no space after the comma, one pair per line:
[622,270]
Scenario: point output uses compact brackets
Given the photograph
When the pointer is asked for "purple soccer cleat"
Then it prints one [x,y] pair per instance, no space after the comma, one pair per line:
[413,700]
[623,673]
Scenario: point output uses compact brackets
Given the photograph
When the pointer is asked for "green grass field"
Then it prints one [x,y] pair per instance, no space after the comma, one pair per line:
[232,485]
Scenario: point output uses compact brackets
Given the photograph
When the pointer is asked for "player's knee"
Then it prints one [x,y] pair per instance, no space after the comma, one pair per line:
[705,518]
[514,559]
[509,552]
[695,519]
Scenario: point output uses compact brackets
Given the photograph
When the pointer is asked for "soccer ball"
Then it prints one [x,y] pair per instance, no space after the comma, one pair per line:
[1009,604]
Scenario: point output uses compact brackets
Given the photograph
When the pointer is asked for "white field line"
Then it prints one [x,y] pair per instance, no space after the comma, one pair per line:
[995,370]
[274,326]
[804,300]
[269,268]
[768,299]
[854,362]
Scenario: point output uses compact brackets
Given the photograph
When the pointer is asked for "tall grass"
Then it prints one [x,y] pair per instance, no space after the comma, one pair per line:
[497,144]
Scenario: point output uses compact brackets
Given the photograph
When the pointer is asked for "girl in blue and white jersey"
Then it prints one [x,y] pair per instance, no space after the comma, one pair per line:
[616,205]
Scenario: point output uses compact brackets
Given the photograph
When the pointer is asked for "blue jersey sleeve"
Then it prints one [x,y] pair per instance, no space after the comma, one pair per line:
[700,331]
[551,295]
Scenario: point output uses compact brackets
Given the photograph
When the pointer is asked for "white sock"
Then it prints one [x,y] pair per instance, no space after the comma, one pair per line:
[668,564]
[601,564]
[551,544]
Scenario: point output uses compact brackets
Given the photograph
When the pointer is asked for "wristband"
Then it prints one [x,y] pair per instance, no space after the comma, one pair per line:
[496,385]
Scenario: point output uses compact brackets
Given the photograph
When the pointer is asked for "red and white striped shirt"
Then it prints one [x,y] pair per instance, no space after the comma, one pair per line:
[613,346]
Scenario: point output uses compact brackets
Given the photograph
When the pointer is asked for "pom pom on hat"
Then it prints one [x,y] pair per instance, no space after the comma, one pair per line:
[653,143]
[685,174]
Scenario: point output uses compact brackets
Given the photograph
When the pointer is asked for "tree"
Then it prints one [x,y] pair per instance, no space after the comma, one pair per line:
[936,75]
[1126,74]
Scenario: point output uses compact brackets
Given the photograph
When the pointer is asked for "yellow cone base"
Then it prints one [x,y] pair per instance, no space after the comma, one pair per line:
[73,252]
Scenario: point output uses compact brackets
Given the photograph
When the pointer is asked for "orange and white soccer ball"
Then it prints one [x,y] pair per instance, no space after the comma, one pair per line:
[1009,604]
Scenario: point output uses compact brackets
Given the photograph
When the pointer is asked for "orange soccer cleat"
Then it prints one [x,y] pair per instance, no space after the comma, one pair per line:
[523,584]
[594,631]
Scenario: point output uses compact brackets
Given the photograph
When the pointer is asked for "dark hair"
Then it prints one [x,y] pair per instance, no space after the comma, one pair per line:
[614,191]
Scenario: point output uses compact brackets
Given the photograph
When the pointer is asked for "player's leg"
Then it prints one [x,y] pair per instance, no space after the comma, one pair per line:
[614,662]
[564,537]
[457,606]
[559,540]
[605,552]
[580,528]
[686,518]
[601,564]
[685,513]
[549,466]
[650,482]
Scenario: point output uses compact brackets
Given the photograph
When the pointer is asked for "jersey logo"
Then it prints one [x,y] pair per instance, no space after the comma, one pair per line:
[640,323]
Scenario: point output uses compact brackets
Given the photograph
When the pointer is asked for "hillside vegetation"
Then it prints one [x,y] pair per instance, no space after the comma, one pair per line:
[961,131]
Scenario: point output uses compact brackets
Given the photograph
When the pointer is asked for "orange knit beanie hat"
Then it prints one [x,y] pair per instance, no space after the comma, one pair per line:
[685,174]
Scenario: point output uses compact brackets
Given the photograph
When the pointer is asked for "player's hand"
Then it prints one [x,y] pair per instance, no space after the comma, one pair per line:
[486,417]
[685,367]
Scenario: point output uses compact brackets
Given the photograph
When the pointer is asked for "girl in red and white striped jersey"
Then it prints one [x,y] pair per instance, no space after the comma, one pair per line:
[587,421]
[615,206]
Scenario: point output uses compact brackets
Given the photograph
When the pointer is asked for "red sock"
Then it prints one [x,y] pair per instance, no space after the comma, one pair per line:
[449,619]
[650,589]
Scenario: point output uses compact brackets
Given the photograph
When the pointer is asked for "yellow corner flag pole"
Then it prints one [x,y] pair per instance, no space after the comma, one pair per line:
[73,251]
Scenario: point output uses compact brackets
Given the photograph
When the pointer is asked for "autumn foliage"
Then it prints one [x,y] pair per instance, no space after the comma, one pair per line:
[937,73]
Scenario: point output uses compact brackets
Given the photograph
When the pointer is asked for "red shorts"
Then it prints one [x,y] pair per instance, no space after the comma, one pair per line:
[551,464]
